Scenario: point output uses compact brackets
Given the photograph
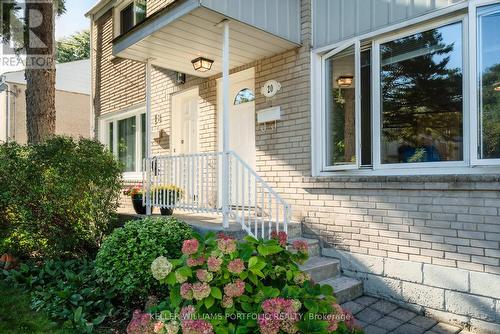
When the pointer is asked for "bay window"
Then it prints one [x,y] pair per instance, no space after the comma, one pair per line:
[125,136]
[417,101]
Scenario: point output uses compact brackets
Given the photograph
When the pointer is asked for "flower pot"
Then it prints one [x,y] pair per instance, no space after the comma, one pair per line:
[166,211]
[138,207]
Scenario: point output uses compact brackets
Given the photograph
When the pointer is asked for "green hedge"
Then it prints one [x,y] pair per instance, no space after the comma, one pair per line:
[125,257]
[57,198]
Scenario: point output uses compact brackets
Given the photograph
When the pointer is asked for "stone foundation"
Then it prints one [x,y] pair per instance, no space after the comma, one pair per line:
[464,298]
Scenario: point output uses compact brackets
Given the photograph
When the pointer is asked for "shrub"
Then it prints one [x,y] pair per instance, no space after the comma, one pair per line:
[68,291]
[57,198]
[126,255]
[218,279]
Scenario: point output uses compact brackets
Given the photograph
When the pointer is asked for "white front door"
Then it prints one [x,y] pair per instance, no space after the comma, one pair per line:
[185,122]
[241,115]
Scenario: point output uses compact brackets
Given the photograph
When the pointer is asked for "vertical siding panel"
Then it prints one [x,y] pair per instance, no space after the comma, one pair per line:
[399,10]
[349,10]
[381,14]
[259,12]
[335,20]
[364,9]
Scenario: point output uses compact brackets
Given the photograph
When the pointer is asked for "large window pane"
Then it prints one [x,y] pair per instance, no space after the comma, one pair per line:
[127,143]
[489,82]
[340,109]
[422,98]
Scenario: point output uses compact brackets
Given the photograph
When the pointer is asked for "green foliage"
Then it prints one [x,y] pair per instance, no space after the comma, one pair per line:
[125,257]
[67,291]
[75,47]
[219,279]
[16,317]
[57,198]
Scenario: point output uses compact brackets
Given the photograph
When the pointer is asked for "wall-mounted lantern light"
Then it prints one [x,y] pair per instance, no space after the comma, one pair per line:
[202,64]
[345,81]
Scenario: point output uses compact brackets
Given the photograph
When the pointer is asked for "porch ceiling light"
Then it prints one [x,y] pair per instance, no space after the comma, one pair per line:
[202,64]
[345,81]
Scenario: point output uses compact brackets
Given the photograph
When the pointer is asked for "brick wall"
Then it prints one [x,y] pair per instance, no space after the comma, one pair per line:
[155,5]
[118,83]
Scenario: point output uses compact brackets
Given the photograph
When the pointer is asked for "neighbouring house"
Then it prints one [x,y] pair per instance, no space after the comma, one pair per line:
[72,102]
[375,124]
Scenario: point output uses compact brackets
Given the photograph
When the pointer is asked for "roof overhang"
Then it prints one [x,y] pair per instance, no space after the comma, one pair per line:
[186,30]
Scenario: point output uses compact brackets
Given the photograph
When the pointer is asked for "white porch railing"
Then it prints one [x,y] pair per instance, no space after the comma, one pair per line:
[193,183]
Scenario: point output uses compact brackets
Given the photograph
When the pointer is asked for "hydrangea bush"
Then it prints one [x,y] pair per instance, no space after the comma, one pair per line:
[223,286]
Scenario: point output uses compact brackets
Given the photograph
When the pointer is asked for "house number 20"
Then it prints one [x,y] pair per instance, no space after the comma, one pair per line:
[271,88]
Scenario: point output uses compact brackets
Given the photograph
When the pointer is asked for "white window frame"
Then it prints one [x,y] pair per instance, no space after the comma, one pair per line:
[448,15]
[357,106]
[377,109]
[104,122]
[474,84]
[117,15]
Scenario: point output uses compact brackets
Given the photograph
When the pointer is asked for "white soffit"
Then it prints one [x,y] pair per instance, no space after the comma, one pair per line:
[194,34]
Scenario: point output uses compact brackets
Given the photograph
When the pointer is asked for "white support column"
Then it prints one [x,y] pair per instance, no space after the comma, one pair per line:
[148,137]
[225,125]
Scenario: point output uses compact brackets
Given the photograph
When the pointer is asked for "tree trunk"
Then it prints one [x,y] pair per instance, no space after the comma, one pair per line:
[40,71]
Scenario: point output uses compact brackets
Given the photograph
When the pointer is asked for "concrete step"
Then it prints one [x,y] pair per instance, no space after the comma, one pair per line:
[321,268]
[345,288]
[313,246]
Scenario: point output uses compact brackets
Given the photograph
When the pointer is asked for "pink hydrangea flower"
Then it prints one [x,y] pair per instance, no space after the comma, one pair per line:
[227,302]
[281,236]
[300,246]
[235,289]
[200,290]
[140,323]
[197,327]
[203,275]
[187,312]
[194,262]
[187,291]
[190,247]
[278,305]
[236,266]
[214,263]
[158,326]
[269,323]
[279,313]
[226,244]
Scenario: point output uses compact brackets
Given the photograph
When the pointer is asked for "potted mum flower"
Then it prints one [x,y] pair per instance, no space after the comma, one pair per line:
[220,285]
[168,194]
[135,193]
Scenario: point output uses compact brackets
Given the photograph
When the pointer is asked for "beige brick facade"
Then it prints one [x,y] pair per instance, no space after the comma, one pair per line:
[155,5]
[445,221]
[449,221]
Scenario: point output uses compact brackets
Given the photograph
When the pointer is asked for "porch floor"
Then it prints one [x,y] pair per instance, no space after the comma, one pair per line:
[201,222]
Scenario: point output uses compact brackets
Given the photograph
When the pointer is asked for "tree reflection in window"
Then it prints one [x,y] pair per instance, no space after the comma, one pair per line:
[245,95]
[422,98]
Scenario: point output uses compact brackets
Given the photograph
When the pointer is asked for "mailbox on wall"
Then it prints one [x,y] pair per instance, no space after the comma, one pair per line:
[269,115]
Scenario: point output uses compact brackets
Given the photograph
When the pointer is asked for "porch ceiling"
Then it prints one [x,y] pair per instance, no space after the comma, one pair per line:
[187,31]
